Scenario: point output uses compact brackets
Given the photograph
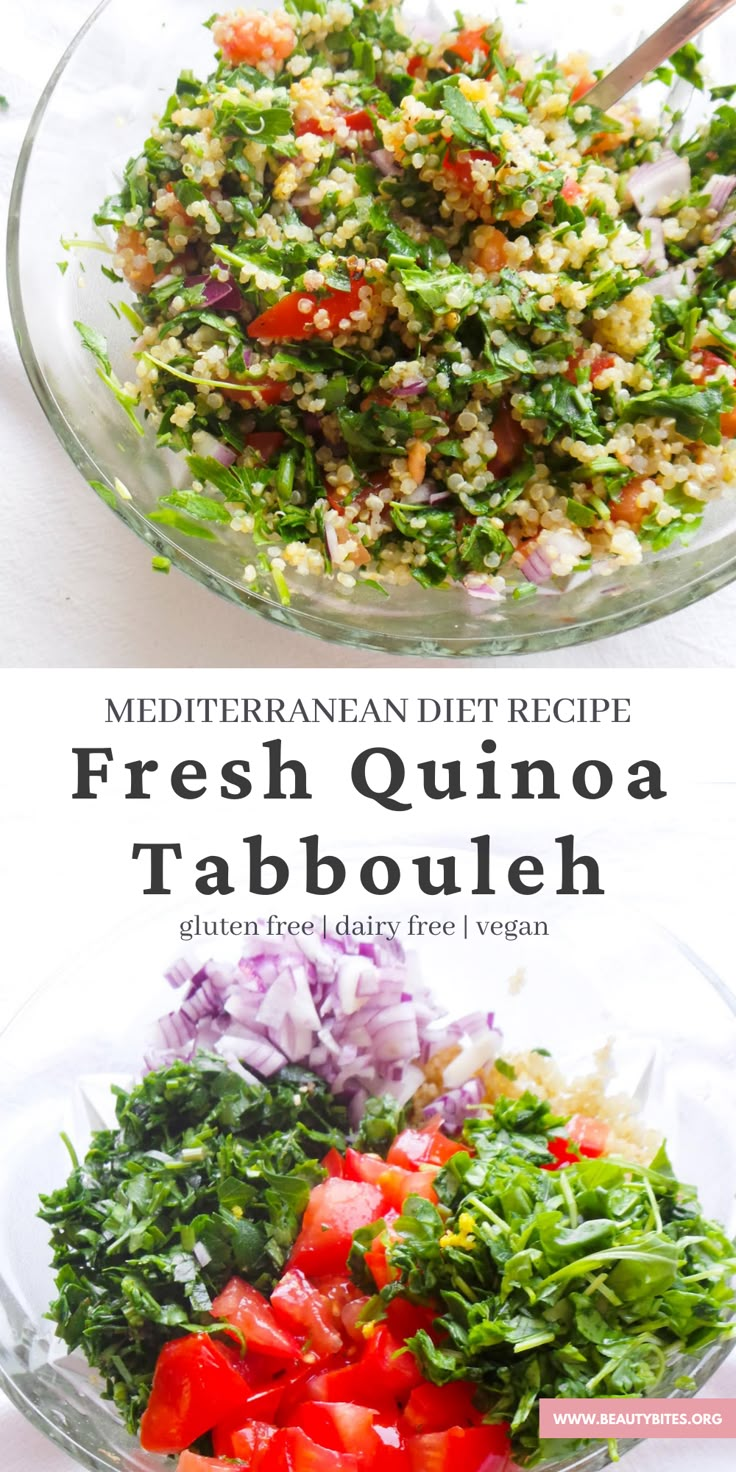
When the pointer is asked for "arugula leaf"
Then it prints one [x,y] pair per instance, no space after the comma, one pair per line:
[696,410]
[551,1283]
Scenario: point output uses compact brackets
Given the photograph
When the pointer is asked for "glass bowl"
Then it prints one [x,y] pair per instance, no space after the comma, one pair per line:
[670,1022]
[93,115]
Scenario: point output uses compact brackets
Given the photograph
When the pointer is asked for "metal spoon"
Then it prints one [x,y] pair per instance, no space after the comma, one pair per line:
[680,28]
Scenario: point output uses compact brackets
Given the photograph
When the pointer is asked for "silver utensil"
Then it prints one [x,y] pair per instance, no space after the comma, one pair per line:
[680,28]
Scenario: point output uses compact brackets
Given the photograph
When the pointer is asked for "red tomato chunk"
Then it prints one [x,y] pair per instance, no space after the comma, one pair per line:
[336,1210]
[195,1385]
[293,316]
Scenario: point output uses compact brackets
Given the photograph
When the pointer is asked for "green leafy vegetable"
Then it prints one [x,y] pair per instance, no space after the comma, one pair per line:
[557,1283]
[199,1159]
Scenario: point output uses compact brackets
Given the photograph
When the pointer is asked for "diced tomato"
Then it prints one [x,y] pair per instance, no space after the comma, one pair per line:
[413,1148]
[336,1210]
[389,1365]
[590,1135]
[438,1407]
[377,1263]
[360,121]
[300,1308]
[190,1462]
[391,1454]
[414,64]
[460,166]
[571,191]
[405,1319]
[563,1152]
[394,1181]
[333,1163]
[467,43]
[266,390]
[311,125]
[387,1372]
[242,1435]
[626,508]
[342,1427]
[248,1443]
[247,1310]
[195,1385]
[251,36]
[509,437]
[285,320]
[710,367]
[268,442]
[364,1167]
[397,1185]
[599,365]
[582,86]
[475,1449]
[293,1451]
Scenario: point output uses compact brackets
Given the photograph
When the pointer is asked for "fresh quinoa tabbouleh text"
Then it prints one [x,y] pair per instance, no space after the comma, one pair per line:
[415,310]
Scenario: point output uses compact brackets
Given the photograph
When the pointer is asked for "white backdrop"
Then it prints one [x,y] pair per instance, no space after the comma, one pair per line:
[67,880]
[76,586]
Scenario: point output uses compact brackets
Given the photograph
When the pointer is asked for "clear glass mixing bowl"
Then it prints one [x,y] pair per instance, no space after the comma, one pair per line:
[94,114]
[608,978]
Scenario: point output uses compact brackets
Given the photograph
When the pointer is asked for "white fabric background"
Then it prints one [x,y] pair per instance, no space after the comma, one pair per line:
[77,587]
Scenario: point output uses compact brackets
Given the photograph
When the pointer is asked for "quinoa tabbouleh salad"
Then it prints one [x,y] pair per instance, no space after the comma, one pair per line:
[334,1230]
[413,309]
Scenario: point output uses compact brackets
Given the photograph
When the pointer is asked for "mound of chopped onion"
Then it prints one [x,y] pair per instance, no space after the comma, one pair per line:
[355,1012]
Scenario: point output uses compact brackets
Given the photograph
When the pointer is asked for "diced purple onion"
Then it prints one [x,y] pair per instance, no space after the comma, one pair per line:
[213,449]
[724,224]
[720,187]
[353,1010]
[671,282]
[219,296]
[479,587]
[535,568]
[410,390]
[420,495]
[668,177]
[179,973]
[438,496]
[385,162]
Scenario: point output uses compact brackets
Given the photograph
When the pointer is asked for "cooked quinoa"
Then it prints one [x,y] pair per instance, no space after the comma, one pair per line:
[537,1073]
[414,310]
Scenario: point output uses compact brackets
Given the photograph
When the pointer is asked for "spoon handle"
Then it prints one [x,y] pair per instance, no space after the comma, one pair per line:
[680,28]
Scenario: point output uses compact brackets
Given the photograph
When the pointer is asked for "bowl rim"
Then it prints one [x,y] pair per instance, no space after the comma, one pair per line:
[320,625]
[595,1460]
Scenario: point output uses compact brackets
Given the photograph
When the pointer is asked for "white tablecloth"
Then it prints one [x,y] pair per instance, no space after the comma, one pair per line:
[77,587]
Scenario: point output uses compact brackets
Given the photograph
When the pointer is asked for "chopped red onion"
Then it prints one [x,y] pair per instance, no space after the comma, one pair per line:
[420,496]
[480,587]
[668,177]
[213,449]
[671,282]
[410,390]
[219,296]
[535,568]
[724,224]
[720,187]
[353,1010]
[385,162]
[179,973]
[438,496]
